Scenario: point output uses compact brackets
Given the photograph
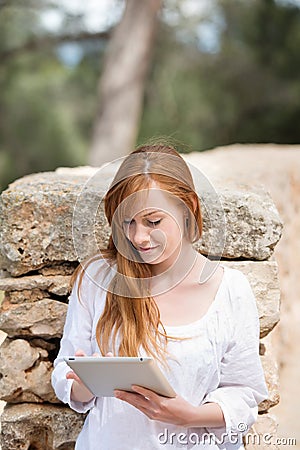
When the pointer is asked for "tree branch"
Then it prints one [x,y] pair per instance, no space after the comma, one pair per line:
[52,41]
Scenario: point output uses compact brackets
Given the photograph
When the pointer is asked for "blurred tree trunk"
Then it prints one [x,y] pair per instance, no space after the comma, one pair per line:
[121,86]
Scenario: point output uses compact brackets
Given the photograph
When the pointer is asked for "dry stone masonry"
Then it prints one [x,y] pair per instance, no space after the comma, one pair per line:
[37,258]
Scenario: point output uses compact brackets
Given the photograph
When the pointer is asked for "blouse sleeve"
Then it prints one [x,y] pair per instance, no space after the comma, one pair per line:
[242,383]
[76,335]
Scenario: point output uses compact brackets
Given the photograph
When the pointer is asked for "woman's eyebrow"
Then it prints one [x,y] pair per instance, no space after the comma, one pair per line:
[150,213]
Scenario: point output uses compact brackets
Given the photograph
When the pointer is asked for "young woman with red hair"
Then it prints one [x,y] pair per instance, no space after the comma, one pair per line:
[141,296]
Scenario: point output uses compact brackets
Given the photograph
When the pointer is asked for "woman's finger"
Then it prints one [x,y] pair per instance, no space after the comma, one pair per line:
[80,352]
[151,395]
[134,399]
[72,376]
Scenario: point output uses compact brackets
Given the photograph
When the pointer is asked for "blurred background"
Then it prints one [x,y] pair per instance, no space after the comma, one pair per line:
[82,83]
[206,73]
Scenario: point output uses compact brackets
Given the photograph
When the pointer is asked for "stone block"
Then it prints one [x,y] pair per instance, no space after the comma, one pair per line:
[38,229]
[263,278]
[36,221]
[55,284]
[39,427]
[252,225]
[25,372]
[271,371]
[263,434]
[26,296]
[44,318]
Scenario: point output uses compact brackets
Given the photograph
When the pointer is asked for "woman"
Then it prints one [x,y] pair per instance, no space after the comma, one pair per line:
[142,297]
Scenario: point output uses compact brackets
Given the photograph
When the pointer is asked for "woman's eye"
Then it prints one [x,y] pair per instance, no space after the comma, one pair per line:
[127,223]
[154,223]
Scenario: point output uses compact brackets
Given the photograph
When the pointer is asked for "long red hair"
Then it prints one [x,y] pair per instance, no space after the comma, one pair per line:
[137,321]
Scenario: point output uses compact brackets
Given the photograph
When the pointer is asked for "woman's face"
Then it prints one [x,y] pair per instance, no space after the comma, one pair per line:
[155,226]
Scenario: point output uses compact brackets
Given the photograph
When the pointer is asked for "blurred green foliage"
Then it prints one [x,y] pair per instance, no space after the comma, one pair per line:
[46,106]
[245,89]
[238,82]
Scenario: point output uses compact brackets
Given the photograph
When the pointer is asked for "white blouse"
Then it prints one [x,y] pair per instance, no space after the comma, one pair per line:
[219,364]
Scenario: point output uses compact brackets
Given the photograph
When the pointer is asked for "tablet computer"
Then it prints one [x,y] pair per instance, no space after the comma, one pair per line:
[102,375]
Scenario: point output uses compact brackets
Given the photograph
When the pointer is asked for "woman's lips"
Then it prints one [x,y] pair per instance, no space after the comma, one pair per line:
[147,249]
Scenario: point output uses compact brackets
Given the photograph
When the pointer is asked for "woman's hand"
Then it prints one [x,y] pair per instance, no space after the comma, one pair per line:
[171,410]
[79,392]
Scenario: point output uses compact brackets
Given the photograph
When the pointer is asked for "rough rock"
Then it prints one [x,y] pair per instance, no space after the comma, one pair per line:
[20,378]
[263,434]
[37,225]
[44,318]
[251,229]
[57,284]
[25,373]
[39,427]
[49,218]
[271,372]
[263,279]
[277,167]
[26,296]
[65,268]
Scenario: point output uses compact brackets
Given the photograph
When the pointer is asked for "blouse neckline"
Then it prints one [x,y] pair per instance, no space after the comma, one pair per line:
[211,308]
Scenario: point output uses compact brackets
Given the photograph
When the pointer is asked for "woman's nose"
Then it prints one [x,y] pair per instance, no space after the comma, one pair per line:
[141,236]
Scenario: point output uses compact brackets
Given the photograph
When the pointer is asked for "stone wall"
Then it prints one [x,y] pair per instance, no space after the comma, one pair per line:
[277,168]
[37,258]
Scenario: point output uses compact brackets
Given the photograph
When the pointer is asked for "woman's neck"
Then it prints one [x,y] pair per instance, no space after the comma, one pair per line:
[168,274]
